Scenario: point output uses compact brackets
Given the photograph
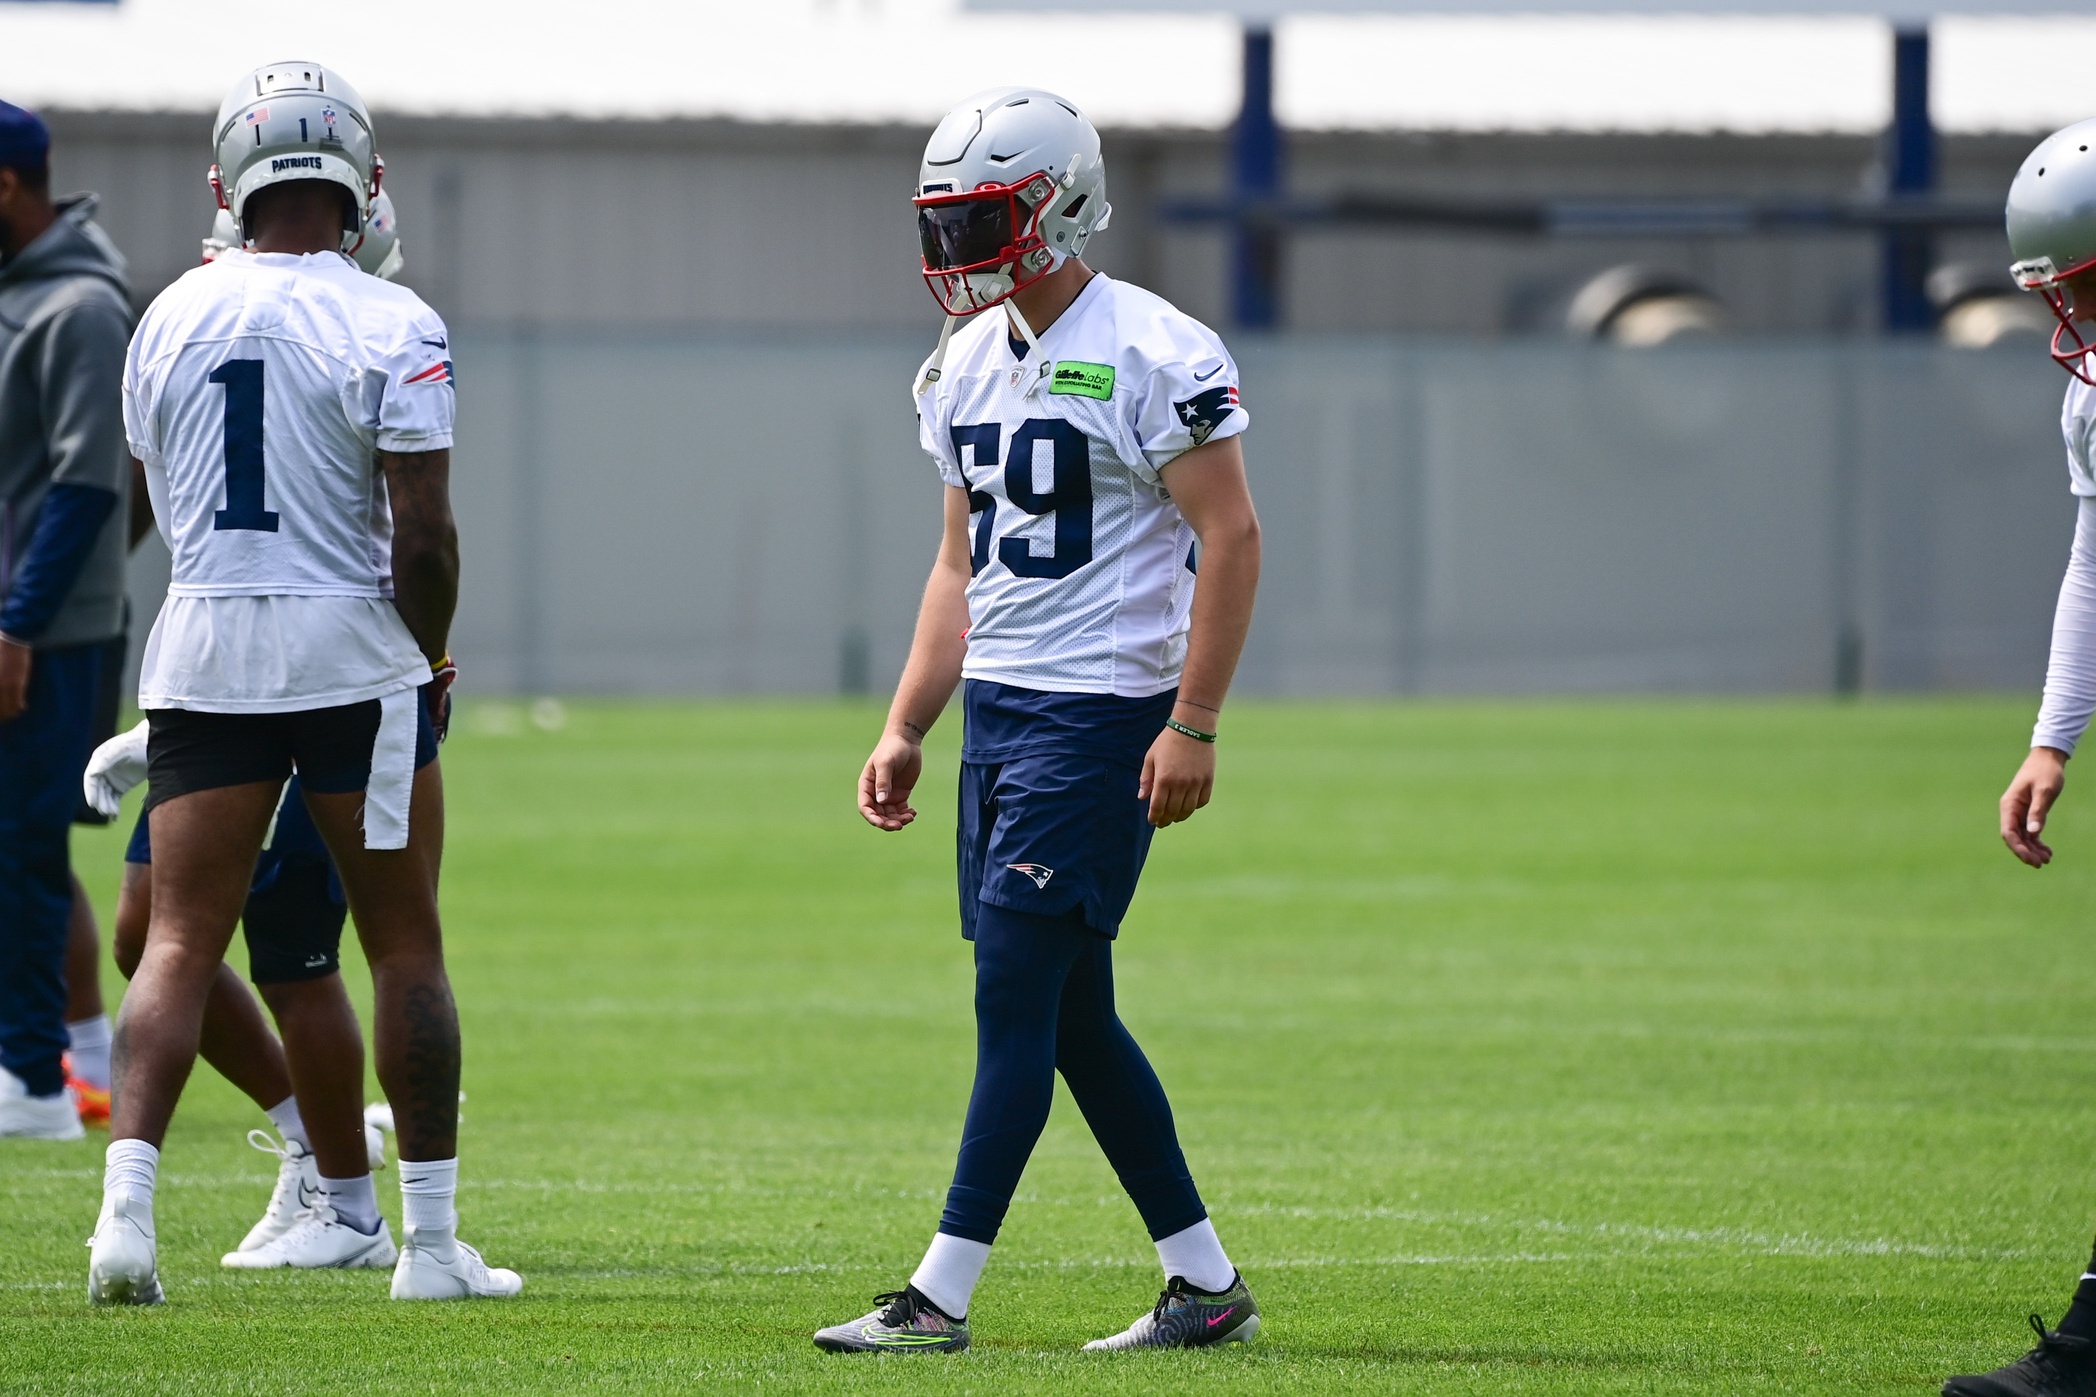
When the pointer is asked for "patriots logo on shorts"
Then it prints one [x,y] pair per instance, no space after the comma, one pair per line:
[439,372]
[1204,412]
[1034,871]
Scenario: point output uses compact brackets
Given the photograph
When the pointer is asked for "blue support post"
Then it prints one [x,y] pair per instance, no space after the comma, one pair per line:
[1910,173]
[1256,169]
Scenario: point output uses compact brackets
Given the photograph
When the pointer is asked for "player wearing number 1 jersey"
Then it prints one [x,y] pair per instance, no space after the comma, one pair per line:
[1086,432]
[293,416]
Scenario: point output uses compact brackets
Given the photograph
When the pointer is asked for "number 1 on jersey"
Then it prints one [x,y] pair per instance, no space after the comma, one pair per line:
[243,384]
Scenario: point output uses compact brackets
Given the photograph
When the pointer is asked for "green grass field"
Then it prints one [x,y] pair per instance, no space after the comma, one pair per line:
[1652,1047]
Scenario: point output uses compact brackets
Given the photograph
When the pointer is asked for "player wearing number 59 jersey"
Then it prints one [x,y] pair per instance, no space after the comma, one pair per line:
[1087,434]
[293,417]
[1082,566]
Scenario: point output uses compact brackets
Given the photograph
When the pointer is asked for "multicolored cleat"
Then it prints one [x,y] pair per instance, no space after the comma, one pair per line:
[1189,1318]
[906,1322]
[92,1101]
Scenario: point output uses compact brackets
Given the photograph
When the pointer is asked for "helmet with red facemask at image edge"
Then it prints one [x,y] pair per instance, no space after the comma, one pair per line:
[1011,186]
[377,249]
[2052,231]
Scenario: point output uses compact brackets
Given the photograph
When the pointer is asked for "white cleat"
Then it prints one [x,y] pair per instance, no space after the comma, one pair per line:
[298,1189]
[122,1261]
[318,1241]
[423,1275]
[26,1117]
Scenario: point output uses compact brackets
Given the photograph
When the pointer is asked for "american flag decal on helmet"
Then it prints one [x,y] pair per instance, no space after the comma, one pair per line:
[258,115]
[439,372]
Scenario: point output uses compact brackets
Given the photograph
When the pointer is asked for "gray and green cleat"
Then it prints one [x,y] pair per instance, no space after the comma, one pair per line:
[906,1322]
[1189,1318]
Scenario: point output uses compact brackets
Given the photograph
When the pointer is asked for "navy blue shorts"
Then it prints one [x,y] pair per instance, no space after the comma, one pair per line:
[1049,819]
[295,905]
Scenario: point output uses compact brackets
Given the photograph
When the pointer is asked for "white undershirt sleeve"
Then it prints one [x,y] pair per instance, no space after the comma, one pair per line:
[2070,675]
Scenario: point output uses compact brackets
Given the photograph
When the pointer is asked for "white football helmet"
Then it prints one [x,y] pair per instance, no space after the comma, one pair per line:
[2052,231]
[224,236]
[377,248]
[1012,184]
[290,121]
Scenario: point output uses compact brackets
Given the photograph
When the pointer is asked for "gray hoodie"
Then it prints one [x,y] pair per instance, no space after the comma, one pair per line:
[65,321]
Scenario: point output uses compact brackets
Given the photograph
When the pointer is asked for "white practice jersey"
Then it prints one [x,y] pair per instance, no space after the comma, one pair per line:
[1083,568]
[257,389]
[2070,672]
[2078,426]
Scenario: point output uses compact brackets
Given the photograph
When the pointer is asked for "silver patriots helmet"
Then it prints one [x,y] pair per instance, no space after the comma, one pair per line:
[1011,185]
[377,248]
[2052,231]
[225,235]
[290,121]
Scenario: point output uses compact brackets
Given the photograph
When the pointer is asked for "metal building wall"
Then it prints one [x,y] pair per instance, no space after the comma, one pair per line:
[741,513]
[713,224]
[687,462]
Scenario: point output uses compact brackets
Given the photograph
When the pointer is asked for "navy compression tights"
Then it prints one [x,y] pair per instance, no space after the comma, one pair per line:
[1044,1004]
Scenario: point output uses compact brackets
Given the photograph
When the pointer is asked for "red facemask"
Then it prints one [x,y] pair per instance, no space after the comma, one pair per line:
[2075,360]
[993,230]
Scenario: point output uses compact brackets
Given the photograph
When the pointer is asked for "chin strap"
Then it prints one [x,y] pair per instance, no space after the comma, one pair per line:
[937,362]
[1033,348]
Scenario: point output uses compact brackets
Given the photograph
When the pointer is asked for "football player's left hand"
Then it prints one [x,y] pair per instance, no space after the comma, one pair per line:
[1178,777]
[2028,800]
[438,691]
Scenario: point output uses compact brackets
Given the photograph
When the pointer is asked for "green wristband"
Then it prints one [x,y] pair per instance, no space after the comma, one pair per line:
[1184,731]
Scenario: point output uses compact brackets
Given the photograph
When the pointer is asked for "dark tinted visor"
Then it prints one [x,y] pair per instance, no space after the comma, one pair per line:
[963,234]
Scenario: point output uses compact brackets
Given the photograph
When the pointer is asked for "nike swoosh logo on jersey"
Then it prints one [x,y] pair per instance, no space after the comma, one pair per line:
[1198,378]
[437,344]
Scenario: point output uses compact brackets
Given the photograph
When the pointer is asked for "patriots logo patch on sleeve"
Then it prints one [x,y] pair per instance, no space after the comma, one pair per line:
[439,372]
[1204,412]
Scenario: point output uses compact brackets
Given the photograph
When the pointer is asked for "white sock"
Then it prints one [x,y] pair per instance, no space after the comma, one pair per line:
[90,1050]
[355,1201]
[130,1167]
[427,1188]
[292,1126]
[949,1271]
[1196,1253]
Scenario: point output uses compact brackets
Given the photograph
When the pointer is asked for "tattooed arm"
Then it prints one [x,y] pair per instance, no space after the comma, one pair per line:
[425,545]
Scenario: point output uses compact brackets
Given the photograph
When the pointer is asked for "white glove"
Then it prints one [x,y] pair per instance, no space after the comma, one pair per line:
[117,766]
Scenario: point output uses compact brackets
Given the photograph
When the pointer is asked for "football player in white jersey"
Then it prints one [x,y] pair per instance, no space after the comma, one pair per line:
[293,924]
[1086,432]
[2052,234]
[294,416]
